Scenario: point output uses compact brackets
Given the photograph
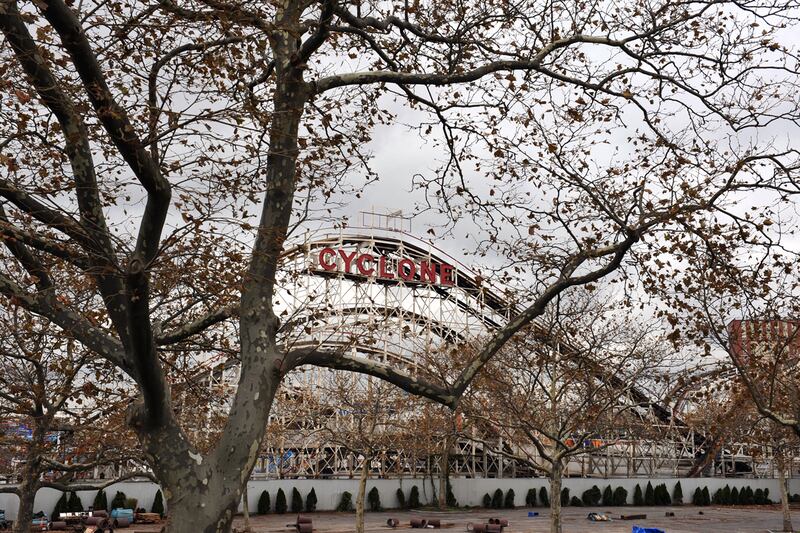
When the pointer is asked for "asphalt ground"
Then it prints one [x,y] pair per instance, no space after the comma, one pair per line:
[687,519]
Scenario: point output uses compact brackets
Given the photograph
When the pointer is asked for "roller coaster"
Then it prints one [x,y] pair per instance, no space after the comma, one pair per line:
[381,293]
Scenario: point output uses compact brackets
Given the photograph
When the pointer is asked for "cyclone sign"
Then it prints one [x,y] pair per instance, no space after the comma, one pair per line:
[383,267]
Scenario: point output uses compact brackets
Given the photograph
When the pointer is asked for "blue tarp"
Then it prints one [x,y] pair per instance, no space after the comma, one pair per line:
[637,529]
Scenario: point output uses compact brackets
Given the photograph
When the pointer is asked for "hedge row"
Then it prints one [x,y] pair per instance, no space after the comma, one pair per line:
[265,502]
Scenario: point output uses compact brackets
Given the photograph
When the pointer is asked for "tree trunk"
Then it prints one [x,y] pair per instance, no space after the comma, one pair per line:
[362,492]
[787,516]
[246,509]
[27,495]
[555,498]
[203,492]
[444,474]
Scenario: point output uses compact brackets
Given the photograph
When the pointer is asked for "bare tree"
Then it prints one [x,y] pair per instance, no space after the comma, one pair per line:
[58,391]
[140,139]
[567,388]
[363,415]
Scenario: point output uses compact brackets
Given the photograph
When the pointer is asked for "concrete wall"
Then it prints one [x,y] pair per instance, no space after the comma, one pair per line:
[467,491]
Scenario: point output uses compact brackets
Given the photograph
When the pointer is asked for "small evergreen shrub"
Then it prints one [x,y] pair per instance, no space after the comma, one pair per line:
[119,500]
[311,501]
[508,501]
[749,496]
[706,497]
[735,496]
[608,496]
[543,497]
[74,503]
[280,502]
[345,504]
[158,504]
[766,496]
[697,498]
[401,499]
[530,498]
[620,496]
[716,499]
[497,499]
[649,495]
[575,502]
[413,498]
[665,497]
[759,497]
[487,501]
[638,498]
[591,497]
[100,501]
[374,499]
[264,504]
[726,495]
[61,506]
[297,501]
[677,494]
[131,503]
[565,496]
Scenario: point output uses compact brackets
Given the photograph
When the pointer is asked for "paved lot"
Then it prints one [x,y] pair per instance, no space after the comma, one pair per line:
[687,520]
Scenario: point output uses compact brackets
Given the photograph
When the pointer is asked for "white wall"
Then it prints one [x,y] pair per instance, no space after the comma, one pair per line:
[467,491]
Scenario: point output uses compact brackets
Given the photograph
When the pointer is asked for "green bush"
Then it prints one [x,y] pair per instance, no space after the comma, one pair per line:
[608,496]
[575,502]
[311,501]
[564,496]
[497,499]
[487,501]
[649,495]
[735,496]
[374,499]
[759,497]
[61,506]
[131,503]
[666,499]
[297,501]
[677,494]
[749,496]
[264,504]
[543,497]
[620,496]
[726,495]
[767,500]
[413,498]
[119,500]
[508,502]
[280,502]
[158,504]
[716,499]
[706,497]
[530,498]
[401,499]
[697,498]
[591,497]
[450,498]
[346,503]
[100,501]
[638,499]
[74,503]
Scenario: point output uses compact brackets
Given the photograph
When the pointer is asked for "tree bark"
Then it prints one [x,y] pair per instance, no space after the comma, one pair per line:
[555,498]
[27,495]
[787,516]
[444,474]
[246,509]
[362,491]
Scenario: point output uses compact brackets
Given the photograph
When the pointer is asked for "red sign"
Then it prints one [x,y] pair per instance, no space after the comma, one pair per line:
[384,267]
